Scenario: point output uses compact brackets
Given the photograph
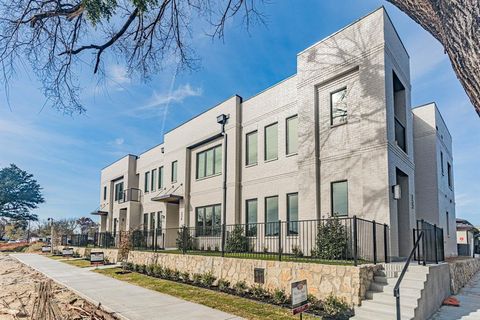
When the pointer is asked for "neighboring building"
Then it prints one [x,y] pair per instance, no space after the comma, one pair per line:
[435,194]
[467,238]
[336,138]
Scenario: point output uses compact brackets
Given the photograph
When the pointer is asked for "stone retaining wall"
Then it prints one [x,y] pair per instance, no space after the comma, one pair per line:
[348,282]
[111,255]
[461,271]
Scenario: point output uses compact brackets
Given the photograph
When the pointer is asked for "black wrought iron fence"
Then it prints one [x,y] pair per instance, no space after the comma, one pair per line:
[349,239]
[431,248]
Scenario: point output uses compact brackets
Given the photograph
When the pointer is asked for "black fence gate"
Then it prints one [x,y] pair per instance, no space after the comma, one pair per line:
[431,248]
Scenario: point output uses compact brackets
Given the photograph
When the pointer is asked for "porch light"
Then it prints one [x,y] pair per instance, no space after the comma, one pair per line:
[397,192]
[222,119]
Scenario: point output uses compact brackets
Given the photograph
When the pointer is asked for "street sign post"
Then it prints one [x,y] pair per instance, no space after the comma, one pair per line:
[299,297]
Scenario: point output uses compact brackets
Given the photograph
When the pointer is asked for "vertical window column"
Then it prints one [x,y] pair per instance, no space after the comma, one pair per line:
[339,198]
[271,216]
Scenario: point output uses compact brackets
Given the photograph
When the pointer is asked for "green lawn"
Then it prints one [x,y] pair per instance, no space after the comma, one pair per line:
[82,263]
[238,306]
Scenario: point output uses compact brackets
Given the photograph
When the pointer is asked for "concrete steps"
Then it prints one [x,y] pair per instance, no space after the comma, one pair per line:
[381,304]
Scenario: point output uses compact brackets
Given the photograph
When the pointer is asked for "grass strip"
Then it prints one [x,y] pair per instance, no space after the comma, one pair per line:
[242,307]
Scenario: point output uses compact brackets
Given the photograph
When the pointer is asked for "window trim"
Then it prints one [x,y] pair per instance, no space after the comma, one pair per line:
[265,216]
[247,149]
[197,156]
[332,125]
[331,198]
[173,178]
[286,135]
[265,142]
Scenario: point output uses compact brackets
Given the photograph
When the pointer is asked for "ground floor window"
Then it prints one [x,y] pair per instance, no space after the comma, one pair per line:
[251,217]
[292,213]
[208,220]
[339,198]
[145,221]
[271,216]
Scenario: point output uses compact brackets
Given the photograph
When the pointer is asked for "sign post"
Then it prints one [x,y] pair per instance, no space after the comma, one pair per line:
[299,297]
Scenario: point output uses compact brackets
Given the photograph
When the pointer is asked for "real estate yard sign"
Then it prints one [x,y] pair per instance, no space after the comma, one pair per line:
[97,257]
[299,297]
[66,252]
[46,248]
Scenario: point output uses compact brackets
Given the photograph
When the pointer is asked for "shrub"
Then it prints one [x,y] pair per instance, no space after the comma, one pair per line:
[167,273]
[157,271]
[208,279]
[331,242]
[197,279]
[237,241]
[185,276]
[279,297]
[184,239]
[149,269]
[297,252]
[176,275]
[336,307]
[129,266]
[240,287]
[223,284]
[142,268]
[259,292]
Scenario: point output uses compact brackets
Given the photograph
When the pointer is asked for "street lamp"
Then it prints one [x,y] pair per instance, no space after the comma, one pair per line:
[50,220]
[222,120]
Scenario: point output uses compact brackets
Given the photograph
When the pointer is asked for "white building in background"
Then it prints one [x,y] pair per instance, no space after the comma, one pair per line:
[336,138]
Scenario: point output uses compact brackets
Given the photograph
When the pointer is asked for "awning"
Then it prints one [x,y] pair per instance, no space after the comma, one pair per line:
[169,198]
[99,213]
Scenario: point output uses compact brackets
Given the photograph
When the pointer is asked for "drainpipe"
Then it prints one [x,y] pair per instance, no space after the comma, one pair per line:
[222,119]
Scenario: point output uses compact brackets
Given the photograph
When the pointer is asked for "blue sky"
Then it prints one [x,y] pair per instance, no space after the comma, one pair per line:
[67,153]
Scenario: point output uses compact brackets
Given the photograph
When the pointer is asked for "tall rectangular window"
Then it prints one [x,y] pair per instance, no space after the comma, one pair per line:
[271,216]
[159,220]
[209,162]
[152,221]
[174,171]
[339,198]
[208,220]
[292,213]
[105,193]
[271,142]
[119,191]
[448,224]
[449,175]
[338,107]
[292,135]
[251,207]
[441,163]
[145,222]
[147,182]
[160,178]
[400,112]
[252,148]
[154,180]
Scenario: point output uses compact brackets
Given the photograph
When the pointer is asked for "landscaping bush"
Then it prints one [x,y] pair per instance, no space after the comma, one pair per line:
[141,268]
[157,271]
[197,279]
[223,284]
[258,292]
[336,308]
[236,240]
[176,276]
[331,242]
[149,269]
[208,279]
[168,273]
[184,239]
[240,288]
[297,252]
[129,266]
[279,297]
[185,276]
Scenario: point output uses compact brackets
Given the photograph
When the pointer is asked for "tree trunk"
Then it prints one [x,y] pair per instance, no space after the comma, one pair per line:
[456,24]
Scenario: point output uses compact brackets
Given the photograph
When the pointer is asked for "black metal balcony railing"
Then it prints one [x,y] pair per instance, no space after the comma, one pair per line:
[132,194]
[352,240]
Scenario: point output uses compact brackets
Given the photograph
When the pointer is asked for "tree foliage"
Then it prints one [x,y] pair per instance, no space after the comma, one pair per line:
[236,240]
[19,193]
[331,242]
[57,36]
[86,225]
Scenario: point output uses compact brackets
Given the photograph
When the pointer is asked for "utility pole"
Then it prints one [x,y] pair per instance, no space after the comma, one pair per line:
[51,234]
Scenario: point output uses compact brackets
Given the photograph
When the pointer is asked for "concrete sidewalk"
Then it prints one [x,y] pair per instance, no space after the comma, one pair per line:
[126,300]
[469,297]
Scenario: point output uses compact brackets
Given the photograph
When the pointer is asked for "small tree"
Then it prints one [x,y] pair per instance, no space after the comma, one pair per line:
[237,241]
[125,246]
[331,242]
[184,239]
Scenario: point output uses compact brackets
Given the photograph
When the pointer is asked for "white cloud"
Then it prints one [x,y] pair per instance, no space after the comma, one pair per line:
[119,141]
[174,96]
[118,74]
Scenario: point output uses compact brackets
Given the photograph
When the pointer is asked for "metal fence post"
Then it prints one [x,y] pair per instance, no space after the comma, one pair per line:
[355,241]
[415,252]
[374,242]
[279,240]
[435,237]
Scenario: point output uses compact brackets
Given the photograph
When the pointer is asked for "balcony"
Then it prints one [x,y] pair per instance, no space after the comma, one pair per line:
[132,194]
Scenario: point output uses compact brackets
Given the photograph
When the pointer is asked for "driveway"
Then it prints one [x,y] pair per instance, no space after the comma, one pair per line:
[126,300]
[469,297]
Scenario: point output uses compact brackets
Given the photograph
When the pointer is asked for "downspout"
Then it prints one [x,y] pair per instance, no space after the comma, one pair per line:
[224,186]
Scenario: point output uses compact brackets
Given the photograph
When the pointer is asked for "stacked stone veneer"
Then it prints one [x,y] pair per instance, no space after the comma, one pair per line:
[347,282]
[461,271]
[111,255]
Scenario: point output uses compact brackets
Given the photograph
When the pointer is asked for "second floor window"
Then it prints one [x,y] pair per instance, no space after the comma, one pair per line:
[153,185]
[160,178]
[119,191]
[292,135]
[105,193]
[147,181]
[251,153]
[174,171]
[209,162]
[338,107]
[449,175]
[441,163]
[271,142]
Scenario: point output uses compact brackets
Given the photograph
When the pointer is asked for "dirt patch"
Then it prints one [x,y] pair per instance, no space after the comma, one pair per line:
[27,294]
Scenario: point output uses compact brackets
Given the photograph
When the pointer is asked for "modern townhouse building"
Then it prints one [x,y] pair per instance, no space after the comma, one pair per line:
[335,139]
